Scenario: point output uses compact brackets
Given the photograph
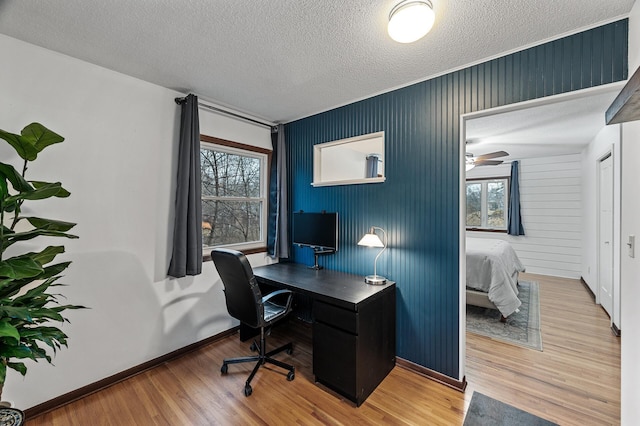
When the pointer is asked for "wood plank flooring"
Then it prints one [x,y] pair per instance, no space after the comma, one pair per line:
[574,381]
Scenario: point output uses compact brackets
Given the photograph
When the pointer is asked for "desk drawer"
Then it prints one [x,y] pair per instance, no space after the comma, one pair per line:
[335,359]
[336,317]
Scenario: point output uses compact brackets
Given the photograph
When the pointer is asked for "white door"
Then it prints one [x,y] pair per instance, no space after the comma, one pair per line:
[605,261]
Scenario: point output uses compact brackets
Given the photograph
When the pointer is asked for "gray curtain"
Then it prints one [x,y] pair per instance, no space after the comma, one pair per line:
[515,220]
[277,235]
[186,257]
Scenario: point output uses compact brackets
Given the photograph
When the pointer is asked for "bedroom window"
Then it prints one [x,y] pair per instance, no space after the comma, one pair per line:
[234,194]
[487,204]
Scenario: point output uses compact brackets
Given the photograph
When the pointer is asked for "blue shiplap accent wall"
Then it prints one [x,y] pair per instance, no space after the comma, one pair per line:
[418,204]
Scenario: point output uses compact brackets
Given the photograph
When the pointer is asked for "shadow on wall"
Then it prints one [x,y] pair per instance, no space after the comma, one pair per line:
[156,316]
[131,320]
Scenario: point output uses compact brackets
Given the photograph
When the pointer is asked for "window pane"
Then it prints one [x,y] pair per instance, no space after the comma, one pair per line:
[495,205]
[229,175]
[474,207]
[230,222]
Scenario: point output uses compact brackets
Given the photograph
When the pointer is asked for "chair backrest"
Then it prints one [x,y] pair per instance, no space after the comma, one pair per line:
[241,291]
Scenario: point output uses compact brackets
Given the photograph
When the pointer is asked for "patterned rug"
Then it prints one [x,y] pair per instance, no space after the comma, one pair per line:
[522,328]
[485,411]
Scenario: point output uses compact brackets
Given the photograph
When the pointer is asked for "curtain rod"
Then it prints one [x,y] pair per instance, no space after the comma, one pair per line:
[180,101]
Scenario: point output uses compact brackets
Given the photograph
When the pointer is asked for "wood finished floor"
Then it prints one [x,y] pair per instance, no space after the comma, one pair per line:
[574,381]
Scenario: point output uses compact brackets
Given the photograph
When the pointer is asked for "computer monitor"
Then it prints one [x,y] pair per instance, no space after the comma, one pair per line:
[316,230]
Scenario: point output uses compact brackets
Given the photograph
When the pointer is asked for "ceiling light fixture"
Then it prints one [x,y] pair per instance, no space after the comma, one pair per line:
[410,20]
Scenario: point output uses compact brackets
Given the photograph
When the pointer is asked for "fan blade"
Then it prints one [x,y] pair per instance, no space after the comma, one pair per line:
[492,155]
[487,162]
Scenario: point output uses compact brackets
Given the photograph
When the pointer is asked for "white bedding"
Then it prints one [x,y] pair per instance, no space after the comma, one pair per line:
[493,267]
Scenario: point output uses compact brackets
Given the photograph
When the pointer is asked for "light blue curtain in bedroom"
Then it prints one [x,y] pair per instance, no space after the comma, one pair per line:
[515,220]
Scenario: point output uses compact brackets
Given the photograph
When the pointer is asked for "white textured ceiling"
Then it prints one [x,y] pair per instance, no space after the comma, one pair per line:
[285,59]
[561,127]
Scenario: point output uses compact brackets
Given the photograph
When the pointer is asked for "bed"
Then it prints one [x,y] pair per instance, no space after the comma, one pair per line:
[492,275]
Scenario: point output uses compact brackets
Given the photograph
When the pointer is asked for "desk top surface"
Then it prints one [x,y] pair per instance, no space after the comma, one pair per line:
[335,287]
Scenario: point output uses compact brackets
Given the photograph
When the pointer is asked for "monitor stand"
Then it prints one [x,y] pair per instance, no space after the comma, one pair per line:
[317,252]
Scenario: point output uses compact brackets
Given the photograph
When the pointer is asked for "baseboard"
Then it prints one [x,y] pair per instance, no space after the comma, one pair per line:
[615,330]
[61,400]
[459,385]
[584,283]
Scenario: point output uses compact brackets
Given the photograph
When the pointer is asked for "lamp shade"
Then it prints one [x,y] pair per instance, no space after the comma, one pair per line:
[410,20]
[370,240]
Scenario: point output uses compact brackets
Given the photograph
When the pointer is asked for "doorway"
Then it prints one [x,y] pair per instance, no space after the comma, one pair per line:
[558,130]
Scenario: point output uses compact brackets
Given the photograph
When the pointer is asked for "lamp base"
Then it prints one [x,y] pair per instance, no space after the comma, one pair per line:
[375,280]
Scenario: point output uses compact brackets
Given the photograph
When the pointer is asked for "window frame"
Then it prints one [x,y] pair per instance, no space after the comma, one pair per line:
[264,155]
[483,203]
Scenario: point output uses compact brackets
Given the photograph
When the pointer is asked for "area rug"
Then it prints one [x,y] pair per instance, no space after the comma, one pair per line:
[486,411]
[522,328]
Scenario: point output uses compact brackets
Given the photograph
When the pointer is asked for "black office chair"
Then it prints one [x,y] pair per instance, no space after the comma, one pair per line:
[245,303]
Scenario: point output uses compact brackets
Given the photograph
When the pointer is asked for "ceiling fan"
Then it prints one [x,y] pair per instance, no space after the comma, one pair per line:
[484,160]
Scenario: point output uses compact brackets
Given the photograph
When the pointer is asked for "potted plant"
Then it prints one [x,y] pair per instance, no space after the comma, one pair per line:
[27,304]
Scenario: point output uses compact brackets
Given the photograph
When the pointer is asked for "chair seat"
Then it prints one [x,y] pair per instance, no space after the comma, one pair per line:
[272,311]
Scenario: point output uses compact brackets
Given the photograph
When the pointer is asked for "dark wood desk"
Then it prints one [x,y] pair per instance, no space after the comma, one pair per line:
[354,325]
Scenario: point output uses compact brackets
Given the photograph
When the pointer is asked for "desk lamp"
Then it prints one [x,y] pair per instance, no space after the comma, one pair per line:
[371,239]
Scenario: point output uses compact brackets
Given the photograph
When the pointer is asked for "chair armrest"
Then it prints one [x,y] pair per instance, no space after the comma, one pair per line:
[277,293]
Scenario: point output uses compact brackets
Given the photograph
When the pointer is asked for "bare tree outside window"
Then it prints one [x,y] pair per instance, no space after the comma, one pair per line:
[487,203]
[474,204]
[231,196]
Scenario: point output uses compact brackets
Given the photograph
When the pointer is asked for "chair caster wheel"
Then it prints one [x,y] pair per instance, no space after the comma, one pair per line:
[247,390]
[291,376]
[253,347]
[224,368]
[289,351]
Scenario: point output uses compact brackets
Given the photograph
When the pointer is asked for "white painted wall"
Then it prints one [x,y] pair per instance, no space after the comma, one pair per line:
[119,162]
[607,140]
[550,201]
[630,225]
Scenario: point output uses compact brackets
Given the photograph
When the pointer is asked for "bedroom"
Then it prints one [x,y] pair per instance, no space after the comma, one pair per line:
[96,113]
[558,143]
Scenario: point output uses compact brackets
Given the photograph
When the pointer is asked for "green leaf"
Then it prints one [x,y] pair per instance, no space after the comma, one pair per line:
[8,330]
[4,191]
[52,270]
[20,267]
[18,366]
[45,191]
[46,255]
[21,351]
[27,235]
[42,313]
[50,224]
[9,288]
[40,136]
[3,372]
[34,293]
[64,307]
[16,179]
[62,193]
[15,312]
[23,146]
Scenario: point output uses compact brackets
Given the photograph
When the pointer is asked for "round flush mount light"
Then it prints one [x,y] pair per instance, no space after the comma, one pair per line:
[410,20]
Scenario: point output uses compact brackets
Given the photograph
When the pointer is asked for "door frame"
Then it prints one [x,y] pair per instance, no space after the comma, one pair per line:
[462,272]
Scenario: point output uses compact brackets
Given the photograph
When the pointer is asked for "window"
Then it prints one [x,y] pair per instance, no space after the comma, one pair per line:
[487,203]
[234,194]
